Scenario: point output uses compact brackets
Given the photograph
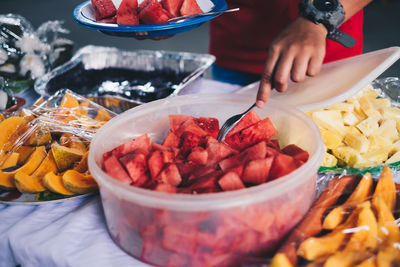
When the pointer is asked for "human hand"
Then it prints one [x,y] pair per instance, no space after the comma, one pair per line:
[298,51]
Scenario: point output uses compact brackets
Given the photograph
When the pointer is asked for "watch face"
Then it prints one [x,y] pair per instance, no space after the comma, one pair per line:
[325,5]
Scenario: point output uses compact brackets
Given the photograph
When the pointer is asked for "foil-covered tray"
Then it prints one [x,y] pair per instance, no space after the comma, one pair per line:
[137,76]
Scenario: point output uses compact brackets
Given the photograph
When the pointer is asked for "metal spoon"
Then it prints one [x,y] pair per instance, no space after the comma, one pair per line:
[203,14]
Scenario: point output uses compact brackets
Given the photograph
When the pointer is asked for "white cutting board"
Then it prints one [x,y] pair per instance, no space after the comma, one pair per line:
[336,82]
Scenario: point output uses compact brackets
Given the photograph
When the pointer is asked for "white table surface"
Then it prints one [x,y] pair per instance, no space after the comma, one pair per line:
[70,233]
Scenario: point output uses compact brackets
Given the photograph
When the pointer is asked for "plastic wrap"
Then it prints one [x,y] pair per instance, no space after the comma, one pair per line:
[26,53]
[353,222]
[135,76]
[53,136]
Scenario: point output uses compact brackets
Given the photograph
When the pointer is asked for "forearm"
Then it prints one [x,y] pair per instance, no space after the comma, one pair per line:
[351,7]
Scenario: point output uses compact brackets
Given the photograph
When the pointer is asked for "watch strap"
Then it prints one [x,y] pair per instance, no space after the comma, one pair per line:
[342,38]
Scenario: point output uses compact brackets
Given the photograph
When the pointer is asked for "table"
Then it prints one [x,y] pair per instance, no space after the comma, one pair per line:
[70,233]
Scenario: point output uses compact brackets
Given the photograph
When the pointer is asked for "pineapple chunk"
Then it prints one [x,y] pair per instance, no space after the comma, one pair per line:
[347,154]
[348,107]
[331,120]
[368,126]
[395,147]
[356,140]
[329,160]
[368,108]
[381,103]
[362,162]
[394,158]
[330,139]
[387,130]
[391,113]
[349,118]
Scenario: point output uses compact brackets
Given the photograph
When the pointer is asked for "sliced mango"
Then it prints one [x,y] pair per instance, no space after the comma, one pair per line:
[11,161]
[26,183]
[7,178]
[79,183]
[280,260]
[40,136]
[24,153]
[54,183]
[386,188]
[65,157]
[8,127]
[82,166]
[102,115]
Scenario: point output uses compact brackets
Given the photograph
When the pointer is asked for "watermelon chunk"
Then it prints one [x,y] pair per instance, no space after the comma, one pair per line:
[114,168]
[179,240]
[127,13]
[153,13]
[172,6]
[136,165]
[217,151]
[166,188]
[282,165]
[170,175]
[190,126]
[255,133]
[155,163]
[257,171]
[103,9]
[189,141]
[296,152]
[198,156]
[190,7]
[249,119]
[257,151]
[142,142]
[171,140]
[112,19]
[203,184]
[230,181]
[175,121]
[210,125]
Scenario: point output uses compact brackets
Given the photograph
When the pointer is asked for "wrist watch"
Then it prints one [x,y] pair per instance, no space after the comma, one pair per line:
[331,14]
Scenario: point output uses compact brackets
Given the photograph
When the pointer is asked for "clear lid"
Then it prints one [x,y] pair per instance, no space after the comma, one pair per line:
[336,82]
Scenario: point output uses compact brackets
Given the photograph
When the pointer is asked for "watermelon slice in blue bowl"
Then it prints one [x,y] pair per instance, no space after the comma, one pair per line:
[89,16]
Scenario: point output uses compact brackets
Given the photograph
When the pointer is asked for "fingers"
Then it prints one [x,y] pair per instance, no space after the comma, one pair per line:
[266,77]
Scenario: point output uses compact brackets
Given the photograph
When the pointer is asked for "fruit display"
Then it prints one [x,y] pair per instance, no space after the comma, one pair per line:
[46,148]
[362,131]
[354,222]
[191,160]
[129,12]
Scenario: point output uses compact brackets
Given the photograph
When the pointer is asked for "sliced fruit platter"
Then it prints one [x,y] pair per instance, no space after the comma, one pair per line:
[44,149]
[354,222]
[361,132]
[148,18]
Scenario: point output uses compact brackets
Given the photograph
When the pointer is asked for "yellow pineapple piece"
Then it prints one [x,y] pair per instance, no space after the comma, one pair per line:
[331,120]
[394,158]
[380,103]
[347,107]
[368,126]
[390,113]
[329,160]
[347,154]
[368,108]
[331,140]
[388,130]
[356,140]
[349,118]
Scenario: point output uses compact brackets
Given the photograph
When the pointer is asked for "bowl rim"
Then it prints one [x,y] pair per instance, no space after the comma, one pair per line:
[188,202]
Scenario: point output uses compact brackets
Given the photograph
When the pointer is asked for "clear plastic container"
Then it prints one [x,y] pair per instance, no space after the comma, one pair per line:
[218,229]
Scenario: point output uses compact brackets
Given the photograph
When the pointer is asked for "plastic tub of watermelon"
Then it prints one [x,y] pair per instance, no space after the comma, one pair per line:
[211,229]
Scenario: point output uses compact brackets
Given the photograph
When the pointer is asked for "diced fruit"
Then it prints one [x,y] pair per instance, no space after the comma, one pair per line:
[65,157]
[253,134]
[142,142]
[192,161]
[127,13]
[172,6]
[103,9]
[154,13]
[249,119]
[296,152]
[170,175]
[257,171]
[198,156]
[190,7]
[114,168]
[135,164]
[282,165]
[210,125]
[230,181]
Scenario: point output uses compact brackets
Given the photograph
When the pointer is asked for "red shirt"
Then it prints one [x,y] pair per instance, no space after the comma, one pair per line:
[240,40]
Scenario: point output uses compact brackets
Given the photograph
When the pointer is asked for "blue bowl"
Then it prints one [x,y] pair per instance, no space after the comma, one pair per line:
[84,15]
